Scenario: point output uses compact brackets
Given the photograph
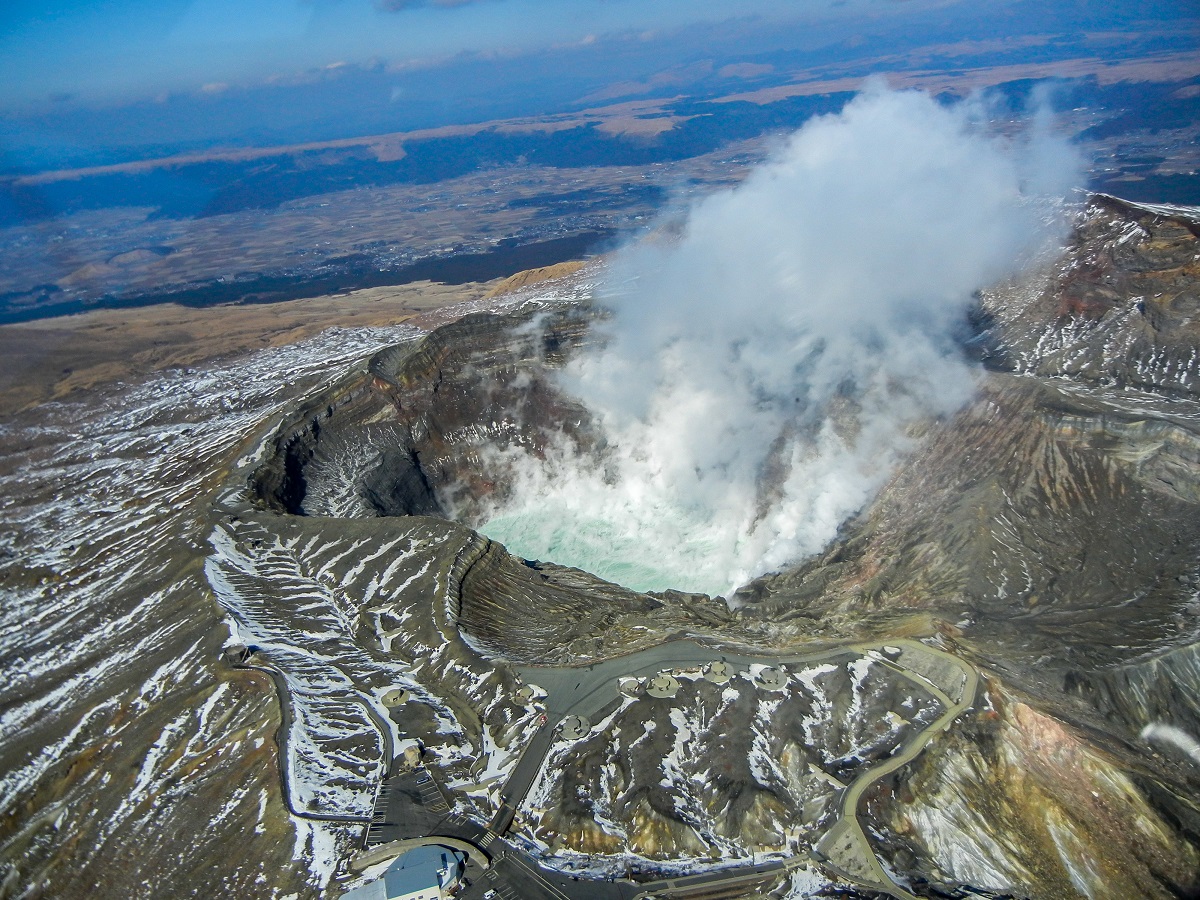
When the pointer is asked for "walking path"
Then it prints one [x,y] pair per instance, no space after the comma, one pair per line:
[281,740]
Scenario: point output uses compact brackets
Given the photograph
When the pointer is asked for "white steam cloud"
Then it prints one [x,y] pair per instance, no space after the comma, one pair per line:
[764,369]
[1163,734]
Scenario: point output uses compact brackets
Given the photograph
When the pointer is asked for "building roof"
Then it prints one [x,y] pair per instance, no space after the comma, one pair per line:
[416,870]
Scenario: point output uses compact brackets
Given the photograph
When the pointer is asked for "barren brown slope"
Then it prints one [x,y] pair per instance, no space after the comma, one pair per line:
[53,358]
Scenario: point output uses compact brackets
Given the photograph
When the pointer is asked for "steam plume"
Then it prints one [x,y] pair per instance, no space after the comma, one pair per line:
[764,369]
[1159,733]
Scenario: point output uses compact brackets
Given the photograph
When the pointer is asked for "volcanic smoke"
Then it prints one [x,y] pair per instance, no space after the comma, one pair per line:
[764,369]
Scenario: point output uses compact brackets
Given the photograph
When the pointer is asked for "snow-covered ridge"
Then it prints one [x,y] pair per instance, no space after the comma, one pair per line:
[1118,308]
[117,729]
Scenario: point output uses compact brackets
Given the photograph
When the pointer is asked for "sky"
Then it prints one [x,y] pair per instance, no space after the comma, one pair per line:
[116,50]
[88,83]
[91,83]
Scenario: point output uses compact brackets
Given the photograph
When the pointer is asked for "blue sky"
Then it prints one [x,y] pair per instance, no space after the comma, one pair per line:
[122,50]
[88,83]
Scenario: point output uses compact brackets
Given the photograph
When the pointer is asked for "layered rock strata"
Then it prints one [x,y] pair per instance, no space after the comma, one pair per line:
[1049,532]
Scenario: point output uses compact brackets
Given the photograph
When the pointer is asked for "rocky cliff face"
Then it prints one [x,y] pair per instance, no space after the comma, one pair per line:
[1052,529]
[1118,308]
[415,433]
[1019,804]
[1050,532]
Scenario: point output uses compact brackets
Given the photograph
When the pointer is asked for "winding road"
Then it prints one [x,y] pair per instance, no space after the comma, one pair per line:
[844,849]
